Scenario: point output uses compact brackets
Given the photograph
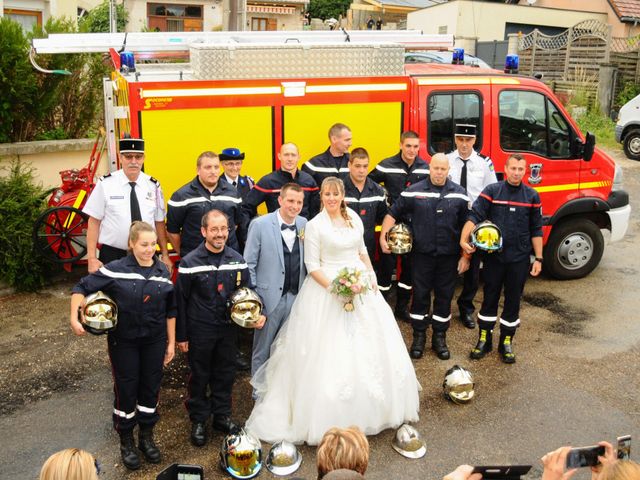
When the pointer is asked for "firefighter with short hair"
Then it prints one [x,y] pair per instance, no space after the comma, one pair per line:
[267,189]
[205,192]
[333,162]
[207,277]
[439,209]
[516,209]
[473,172]
[397,173]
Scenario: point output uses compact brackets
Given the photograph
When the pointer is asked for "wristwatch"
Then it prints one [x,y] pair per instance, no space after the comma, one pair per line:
[538,259]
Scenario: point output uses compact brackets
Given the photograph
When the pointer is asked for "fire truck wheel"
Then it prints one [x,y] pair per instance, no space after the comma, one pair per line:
[632,144]
[60,234]
[574,249]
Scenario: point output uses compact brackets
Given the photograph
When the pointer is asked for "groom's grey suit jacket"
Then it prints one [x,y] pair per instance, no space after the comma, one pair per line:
[265,258]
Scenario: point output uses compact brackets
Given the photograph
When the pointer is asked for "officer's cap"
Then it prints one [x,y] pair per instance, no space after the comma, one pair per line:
[231,154]
[131,145]
[465,130]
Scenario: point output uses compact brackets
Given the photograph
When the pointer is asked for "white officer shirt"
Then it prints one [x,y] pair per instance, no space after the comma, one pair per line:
[480,172]
[288,235]
[109,202]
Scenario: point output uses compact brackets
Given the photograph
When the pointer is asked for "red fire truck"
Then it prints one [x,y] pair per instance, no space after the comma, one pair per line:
[256,91]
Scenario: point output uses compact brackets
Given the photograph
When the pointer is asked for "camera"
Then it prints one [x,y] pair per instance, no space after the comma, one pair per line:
[508,472]
[179,471]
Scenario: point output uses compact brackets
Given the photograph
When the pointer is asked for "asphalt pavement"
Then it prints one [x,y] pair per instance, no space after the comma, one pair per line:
[575,382]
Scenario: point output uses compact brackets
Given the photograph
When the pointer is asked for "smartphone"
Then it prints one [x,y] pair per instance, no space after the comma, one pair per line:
[179,471]
[584,456]
[624,447]
[506,472]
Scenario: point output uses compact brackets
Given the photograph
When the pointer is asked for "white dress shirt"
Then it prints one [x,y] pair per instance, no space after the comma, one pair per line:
[480,172]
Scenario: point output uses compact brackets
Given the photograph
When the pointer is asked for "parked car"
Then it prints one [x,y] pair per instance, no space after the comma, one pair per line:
[437,56]
[628,128]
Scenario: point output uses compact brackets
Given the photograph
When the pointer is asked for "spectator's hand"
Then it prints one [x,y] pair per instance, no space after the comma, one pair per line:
[94,265]
[183,346]
[536,268]
[554,464]
[463,265]
[261,321]
[463,472]
[169,353]
[609,457]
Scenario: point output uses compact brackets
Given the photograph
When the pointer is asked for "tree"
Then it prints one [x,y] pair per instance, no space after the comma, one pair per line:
[325,9]
[97,20]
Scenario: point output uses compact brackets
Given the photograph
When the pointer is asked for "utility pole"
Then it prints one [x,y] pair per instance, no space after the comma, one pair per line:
[113,16]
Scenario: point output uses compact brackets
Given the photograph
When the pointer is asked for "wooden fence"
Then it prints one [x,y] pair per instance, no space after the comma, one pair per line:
[571,60]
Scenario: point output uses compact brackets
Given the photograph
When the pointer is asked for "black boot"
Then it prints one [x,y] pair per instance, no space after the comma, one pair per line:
[506,349]
[147,446]
[484,345]
[467,320]
[417,347]
[439,345]
[401,310]
[128,451]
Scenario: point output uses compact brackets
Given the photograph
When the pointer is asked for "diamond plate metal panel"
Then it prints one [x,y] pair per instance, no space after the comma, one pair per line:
[223,62]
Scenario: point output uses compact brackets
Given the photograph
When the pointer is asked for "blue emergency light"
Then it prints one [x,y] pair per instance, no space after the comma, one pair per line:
[458,56]
[127,62]
[511,64]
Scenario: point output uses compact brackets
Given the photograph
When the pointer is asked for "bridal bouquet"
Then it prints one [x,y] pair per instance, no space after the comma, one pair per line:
[347,285]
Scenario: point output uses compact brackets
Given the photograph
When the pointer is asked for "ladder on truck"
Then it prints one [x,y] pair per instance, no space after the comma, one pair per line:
[149,42]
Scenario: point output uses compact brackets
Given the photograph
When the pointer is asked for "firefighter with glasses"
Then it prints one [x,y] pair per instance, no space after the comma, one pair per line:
[515,209]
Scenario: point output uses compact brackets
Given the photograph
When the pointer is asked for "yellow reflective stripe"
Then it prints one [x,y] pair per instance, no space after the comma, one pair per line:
[468,81]
[364,87]
[76,204]
[573,186]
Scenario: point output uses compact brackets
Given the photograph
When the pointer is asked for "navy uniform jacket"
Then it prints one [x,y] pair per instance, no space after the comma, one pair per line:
[268,189]
[203,288]
[438,215]
[144,296]
[244,184]
[370,205]
[326,165]
[516,211]
[397,175]
[188,205]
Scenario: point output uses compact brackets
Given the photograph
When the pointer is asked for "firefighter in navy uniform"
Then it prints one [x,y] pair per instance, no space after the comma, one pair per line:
[366,198]
[516,209]
[333,161]
[119,198]
[205,192]
[473,172]
[397,173]
[207,277]
[267,189]
[143,340]
[439,209]
[231,159]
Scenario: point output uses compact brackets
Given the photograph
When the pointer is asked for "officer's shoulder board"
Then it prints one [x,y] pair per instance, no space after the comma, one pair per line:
[487,159]
[104,177]
[155,181]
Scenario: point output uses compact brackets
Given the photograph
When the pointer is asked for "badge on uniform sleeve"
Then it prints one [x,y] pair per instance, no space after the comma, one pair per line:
[238,279]
[220,287]
[363,212]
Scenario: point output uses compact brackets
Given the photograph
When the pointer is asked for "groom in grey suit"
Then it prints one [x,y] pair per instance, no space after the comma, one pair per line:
[274,253]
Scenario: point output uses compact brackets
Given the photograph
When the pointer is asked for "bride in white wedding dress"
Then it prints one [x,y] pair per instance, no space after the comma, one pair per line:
[329,367]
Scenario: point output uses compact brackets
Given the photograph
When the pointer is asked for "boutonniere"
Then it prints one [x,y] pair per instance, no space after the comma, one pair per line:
[301,234]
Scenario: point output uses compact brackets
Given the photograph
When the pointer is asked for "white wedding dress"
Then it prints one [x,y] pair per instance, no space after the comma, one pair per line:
[329,367]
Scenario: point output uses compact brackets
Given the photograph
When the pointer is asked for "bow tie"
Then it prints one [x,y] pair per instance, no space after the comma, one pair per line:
[284,226]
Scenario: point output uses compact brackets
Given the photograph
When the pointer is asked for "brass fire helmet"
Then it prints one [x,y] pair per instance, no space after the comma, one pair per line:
[407,442]
[400,239]
[458,385]
[241,454]
[99,313]
[283,458]
[246,307]
[487,237]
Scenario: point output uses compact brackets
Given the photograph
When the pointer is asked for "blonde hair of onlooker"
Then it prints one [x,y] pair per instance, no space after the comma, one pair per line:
[136,229]
[620,470]
[346,448]
[337,184]
[69,464]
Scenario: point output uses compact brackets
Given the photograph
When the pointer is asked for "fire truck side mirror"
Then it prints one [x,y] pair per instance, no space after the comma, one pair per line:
[589,146]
